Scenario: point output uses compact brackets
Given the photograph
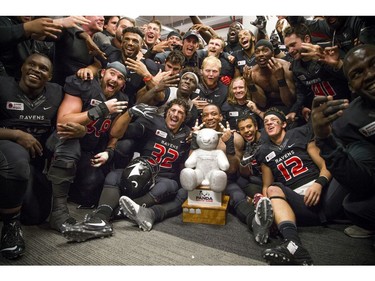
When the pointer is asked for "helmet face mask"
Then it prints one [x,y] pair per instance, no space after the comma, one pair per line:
[138,177]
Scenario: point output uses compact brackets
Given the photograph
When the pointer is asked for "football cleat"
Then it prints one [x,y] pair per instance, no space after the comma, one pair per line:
[288,253]
[12,242]
[91,227]
[262,220]
[142,216]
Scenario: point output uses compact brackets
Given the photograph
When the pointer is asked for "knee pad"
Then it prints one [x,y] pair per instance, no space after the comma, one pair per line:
[62,171]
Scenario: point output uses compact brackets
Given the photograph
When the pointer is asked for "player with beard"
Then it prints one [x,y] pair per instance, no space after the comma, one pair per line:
[166,147]
[244,56]
[258,217]
[140,71]
[94,104]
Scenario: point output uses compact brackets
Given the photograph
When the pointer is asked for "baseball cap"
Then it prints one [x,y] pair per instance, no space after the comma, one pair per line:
[191,33]
[118,66]
[174,33]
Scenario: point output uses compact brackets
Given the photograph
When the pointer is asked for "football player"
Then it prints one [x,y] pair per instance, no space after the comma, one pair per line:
[166,146]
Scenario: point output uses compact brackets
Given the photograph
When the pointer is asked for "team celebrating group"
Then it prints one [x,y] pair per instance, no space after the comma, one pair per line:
[104,113]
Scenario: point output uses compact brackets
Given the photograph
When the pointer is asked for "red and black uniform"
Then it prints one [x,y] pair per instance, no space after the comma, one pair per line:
[289,162]
[317,79]
[17,170]
[72,157]
[167,150]
[292,167]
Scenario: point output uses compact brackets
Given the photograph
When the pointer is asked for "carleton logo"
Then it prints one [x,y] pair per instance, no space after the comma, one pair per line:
[204,196]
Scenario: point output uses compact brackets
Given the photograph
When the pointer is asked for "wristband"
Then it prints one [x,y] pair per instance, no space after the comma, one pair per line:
[282,83]
[98,111]
[252,88]
[230,146]
[322,180]
[111,153]
[147,78]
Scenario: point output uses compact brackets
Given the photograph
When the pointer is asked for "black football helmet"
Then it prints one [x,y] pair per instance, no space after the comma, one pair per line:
[138,177]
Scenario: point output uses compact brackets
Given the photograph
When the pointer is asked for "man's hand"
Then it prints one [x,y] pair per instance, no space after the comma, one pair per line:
[331,57]
[85,73]
[312,195]
[42,27]
[30,143]
[199,104]
[115,106]
[160,47]
[325,110]
[166,81]
[143,110]
[70,130]
[99,159]
[137,66]
[248,75]
[73,21]
[276,68]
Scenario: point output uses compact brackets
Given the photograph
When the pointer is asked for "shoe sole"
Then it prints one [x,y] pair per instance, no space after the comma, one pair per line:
[12,255]
[128,210]
[81,235]
[274,258]
[264,213]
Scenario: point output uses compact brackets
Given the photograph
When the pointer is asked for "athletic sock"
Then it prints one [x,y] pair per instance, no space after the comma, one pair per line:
[104,212]
[288,230]
[145,200]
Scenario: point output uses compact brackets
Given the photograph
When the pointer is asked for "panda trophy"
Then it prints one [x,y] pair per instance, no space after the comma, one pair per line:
[206,165]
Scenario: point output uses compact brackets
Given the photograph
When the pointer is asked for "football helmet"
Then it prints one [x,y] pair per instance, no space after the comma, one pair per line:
[138,177]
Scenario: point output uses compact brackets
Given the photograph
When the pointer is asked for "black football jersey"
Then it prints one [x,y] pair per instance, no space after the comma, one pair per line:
[231,113]
[241,59]
[168,150]
[36,117]
[91,95]
[289,162]
[316,79]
